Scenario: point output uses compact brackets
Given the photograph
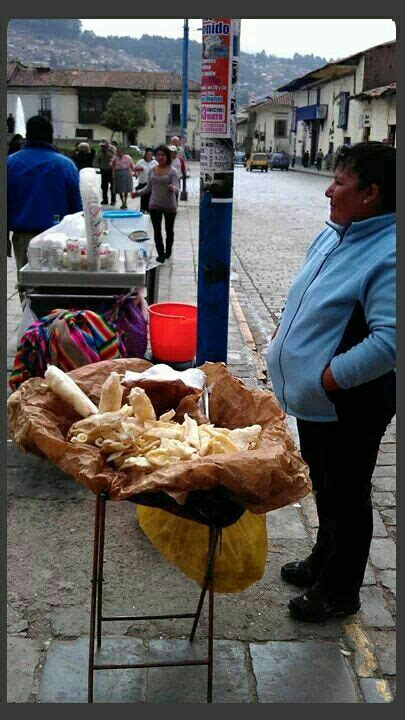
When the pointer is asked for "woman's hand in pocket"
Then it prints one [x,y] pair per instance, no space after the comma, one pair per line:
[328,381]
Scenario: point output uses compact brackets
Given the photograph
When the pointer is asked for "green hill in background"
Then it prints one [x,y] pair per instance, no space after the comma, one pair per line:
[63,44]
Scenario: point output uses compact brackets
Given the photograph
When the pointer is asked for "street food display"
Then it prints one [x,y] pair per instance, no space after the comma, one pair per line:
[131,436]
[143,442]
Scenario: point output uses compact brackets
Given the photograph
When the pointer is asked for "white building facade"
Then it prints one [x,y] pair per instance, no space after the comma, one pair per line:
[75,100]
[349,101]
[269,125]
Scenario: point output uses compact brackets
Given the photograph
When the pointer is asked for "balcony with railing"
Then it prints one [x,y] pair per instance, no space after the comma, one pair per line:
[312,112]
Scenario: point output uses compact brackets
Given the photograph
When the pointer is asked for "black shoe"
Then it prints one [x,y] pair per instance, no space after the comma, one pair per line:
[168,255]
[299,573]
[104,202]
[161,259]
[112,202]
[313,607]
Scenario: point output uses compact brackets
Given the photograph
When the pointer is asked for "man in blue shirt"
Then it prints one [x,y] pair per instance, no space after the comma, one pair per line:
[41,183]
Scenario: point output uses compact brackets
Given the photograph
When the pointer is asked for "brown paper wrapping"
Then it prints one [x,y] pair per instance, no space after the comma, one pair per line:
[269,477]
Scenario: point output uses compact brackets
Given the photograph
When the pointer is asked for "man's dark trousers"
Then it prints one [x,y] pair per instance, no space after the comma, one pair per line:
[106,180]
[341,457]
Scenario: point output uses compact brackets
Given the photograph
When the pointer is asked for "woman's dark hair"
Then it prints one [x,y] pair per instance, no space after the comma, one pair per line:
[147,150]
[372,162]
[39,128]
[166,151]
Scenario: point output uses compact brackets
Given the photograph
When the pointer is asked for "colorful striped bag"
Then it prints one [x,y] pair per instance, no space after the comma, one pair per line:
[68,339]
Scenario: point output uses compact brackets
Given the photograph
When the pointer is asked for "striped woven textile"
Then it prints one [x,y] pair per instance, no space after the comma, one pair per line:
[68,339]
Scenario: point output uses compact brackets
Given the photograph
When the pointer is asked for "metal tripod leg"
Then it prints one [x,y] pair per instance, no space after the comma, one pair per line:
[100,578]
[210,637]
[96,545]
[212,543]
[208,585]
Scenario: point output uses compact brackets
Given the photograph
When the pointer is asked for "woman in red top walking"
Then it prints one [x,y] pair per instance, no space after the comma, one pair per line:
[122,170]
[163,186]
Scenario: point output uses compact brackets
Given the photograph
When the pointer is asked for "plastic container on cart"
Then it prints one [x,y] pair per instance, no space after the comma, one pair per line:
[134,224]
[57,244]
[121,213]
[92,215]
[173,331]
[34,255]
[73,254]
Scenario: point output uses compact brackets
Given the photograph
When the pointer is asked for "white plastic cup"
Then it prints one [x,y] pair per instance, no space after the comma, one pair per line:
[131,260]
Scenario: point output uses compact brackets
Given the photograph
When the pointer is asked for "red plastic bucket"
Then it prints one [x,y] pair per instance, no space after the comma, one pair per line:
[173,331]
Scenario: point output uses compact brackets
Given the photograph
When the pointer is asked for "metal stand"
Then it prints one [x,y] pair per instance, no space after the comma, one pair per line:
[96,612]
[184,193]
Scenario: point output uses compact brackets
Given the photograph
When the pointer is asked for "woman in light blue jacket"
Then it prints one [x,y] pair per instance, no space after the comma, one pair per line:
[332,365]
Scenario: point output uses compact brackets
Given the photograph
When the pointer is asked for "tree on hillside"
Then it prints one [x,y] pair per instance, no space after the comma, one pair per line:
[125,112]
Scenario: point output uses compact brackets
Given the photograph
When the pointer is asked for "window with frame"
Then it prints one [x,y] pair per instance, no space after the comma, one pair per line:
[175,114]
[45,107]
[91,108]
[280,128]
[87,133]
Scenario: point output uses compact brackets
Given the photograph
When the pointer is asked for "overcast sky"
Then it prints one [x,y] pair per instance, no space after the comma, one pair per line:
[327,38]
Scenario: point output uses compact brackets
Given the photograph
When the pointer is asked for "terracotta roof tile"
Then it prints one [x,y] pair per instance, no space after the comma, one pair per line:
[285,99]
[379,91]
[111,79]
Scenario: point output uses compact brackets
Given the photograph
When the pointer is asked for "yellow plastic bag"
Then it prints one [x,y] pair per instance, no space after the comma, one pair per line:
[239,560]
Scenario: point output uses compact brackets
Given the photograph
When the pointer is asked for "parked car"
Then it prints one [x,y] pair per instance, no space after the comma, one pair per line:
[279,160]
[257,161]
[239,158]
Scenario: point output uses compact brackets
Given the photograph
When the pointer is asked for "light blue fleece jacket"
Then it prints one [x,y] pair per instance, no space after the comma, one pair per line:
[342,266]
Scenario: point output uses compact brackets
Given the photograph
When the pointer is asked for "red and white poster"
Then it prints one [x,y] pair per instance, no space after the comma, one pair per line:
[216,78]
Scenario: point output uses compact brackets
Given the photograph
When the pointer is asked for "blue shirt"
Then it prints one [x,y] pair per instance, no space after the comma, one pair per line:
[342,267]
[41,183]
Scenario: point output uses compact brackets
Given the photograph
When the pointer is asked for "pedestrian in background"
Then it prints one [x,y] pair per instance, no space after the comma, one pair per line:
[142,170]
[83,156]
[178,163]
[331,362]
[319,159]
[16,143]
[305,159]
[163,186]
[103,161]
[10,123]
[41,183]
[175,140]
[122,169]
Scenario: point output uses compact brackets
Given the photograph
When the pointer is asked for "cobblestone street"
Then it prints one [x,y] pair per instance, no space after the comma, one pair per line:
[257,647]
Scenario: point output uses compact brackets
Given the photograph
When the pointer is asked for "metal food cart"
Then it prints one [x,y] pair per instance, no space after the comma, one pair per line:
[84,289]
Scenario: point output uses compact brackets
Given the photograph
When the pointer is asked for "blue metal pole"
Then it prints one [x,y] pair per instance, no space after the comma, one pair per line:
[216,185]
[184,89]
[184,82]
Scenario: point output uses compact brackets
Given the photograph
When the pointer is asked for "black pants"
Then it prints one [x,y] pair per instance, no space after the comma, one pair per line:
[107,180]
[144,198]
[156,217]
[341,457]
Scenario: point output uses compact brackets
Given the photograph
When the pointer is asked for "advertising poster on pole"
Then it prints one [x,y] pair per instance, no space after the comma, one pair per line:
[216,77]
[218,107]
